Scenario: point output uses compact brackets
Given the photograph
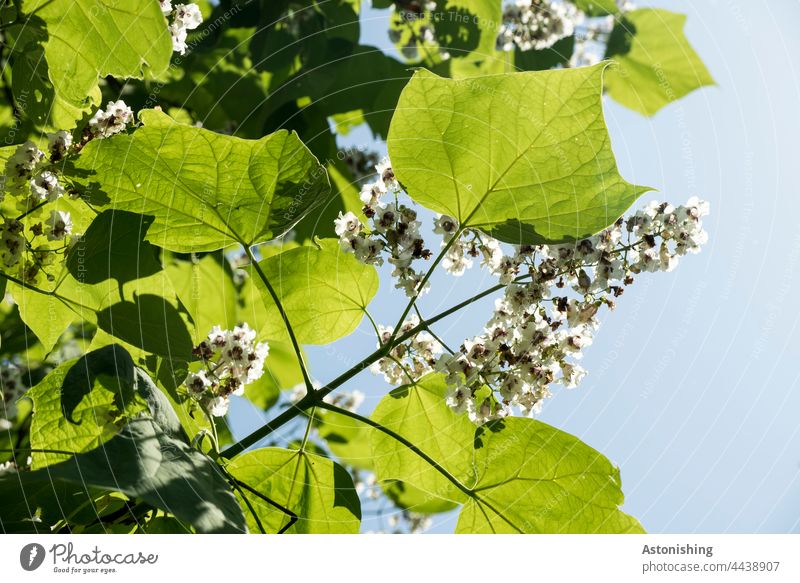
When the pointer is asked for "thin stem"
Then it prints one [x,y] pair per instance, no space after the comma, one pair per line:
[34,208]
[282,312]
[292,516]
[396,436]
[308,428]
[432,333]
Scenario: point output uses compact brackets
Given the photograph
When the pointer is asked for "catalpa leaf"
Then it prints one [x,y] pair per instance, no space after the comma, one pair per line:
[205,191]
[317,490]
[65,49]
[324,292]
[656,65]
[514,476]
[524,156]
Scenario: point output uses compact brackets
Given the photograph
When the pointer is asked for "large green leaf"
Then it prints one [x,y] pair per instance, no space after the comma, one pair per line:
[534,478]
[65,49]
[82,403]
[205,190]
[656,63]
[142,461]
[419,414]
[319,491]
[524,156]
[324,292]
[517,475]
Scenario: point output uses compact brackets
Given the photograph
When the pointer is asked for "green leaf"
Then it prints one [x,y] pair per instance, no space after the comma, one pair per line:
[347,438]
[656,63]
[597,7]
[83,403]
[419,414]
[65,52]
[112,278]
[204,190]
[519,475]
[207,291]
[281,371]
[142,461]
[524,156]
[410,498]
[319,491]
[323,291]
[534,478]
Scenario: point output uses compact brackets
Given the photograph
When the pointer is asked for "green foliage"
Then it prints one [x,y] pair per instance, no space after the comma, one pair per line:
[656,63]
[59,55]
[206,191]
[472,150]
[234,158]
[323,290]
[320,492]
[515,475]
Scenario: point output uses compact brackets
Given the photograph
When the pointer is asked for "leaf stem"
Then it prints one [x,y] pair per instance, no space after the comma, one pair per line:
[284,316]
[396,436]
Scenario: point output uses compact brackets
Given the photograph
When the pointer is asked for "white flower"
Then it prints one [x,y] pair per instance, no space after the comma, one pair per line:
[187,16]
[112,120]
[58,144]
[59,226]
[178,34]
[166,6]
[347,226]
[384,169]
[446,226]
[46,187]
[217,406]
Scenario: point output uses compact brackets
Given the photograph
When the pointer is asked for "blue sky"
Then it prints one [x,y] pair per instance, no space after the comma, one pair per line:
[693,386]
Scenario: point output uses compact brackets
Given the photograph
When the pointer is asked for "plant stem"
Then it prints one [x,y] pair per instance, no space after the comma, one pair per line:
[284,316]
[396,436]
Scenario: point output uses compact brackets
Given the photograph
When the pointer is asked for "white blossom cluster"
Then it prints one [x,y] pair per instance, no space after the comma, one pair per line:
[393,230]
[409,360]
[185,17]
[110,121]
[536,24]
[548,314]
[231,359]
[12,387]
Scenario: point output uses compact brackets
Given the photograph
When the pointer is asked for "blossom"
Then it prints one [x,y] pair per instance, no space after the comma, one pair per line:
[185,17]
[232,359]
[59,226]
[58,144]
[111,120]
[536,24]
[46,187]
[410,360]
[548,316]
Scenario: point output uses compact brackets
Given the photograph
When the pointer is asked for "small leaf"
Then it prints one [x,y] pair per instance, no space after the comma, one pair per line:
[323,291]
[205,191]
[656,63]
[524,156]
[319,491]
[419,414]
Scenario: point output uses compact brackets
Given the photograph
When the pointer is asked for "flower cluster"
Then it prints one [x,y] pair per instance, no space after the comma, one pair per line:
[393,230]
[409,360]
[548,314]
[185,17]
[536,24]
[32,177]
[12,388]
[231,359]
[110,121]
